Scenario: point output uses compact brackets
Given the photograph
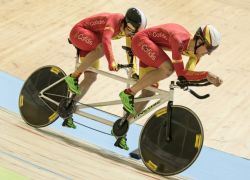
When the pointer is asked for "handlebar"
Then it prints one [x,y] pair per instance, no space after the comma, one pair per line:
[122,66]
[131,55]
[197,95]
[184,84]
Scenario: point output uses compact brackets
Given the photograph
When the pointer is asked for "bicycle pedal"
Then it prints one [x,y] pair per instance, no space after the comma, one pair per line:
[120,130]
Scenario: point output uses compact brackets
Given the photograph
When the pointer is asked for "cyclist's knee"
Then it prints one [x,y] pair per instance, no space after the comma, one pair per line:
[99,51]
[166,69]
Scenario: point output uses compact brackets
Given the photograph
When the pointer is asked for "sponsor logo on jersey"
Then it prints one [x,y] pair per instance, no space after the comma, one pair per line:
[97,22]
[84,38]
[147,50]
[160,35]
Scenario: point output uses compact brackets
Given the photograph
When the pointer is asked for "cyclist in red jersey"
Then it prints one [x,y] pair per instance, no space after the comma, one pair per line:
[92,36]
[156,65]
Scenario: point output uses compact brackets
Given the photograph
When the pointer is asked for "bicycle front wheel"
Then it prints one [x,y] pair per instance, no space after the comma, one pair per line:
[171,157]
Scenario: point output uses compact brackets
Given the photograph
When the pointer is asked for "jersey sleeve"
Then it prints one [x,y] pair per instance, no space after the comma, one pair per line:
[191,64]
[106,41]
[188,72]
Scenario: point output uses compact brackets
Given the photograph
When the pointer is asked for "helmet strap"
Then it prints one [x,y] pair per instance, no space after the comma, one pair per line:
[196,46]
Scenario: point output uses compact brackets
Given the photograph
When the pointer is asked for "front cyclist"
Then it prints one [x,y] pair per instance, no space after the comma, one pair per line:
[155,65]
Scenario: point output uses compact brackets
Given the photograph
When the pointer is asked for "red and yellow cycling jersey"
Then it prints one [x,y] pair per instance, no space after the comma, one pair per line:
[100,28]
[148,45]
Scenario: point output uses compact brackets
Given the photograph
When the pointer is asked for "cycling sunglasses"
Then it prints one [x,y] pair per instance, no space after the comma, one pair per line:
[131,30]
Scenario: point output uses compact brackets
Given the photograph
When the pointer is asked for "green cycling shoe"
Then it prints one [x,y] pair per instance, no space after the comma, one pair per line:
[121,142]
[69,122]
[73,84]
[128,102]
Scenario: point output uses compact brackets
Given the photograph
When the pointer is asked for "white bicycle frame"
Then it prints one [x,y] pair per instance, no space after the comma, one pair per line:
[162,96]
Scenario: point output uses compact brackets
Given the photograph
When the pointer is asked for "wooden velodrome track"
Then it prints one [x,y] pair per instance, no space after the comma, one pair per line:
[45,154]
[34,34]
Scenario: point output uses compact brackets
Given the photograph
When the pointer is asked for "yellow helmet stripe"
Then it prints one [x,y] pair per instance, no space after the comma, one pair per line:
[207,35]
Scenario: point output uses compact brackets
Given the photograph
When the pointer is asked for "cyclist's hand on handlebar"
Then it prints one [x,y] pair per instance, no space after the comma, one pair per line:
[113,66]
[182,82]
[215,80]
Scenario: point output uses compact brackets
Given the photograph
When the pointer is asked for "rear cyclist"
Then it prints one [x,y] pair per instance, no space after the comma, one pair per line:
[92,36]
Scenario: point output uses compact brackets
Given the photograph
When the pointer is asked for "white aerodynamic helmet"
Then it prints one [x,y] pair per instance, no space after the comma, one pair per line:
[136,17]
[209,35]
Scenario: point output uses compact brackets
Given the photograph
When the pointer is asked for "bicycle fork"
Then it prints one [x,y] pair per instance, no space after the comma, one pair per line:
[169,113]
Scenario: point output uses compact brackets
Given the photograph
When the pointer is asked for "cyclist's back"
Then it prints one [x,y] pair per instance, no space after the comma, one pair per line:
[98,23]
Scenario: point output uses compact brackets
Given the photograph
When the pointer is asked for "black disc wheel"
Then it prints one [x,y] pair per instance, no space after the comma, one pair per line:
[171,157]
[40,111]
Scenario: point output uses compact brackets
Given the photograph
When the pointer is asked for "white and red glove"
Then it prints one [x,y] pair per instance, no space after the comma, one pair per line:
[215,80]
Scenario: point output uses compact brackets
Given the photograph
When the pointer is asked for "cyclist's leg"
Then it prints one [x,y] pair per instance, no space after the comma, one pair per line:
[121,142]
[153,56]
[86,83]
[157,59]
[139,106]
[90,59]
[87,42]
[164,71]
[89,79]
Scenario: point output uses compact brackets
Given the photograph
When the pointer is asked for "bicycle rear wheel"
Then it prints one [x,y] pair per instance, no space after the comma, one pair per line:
[170,158]
[37,111]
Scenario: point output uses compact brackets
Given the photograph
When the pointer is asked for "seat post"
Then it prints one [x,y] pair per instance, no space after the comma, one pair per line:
[77,58]
[77,55]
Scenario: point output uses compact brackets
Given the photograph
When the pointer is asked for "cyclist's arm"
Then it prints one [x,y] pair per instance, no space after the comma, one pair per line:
[106,42]
[177,61]
[191,64]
